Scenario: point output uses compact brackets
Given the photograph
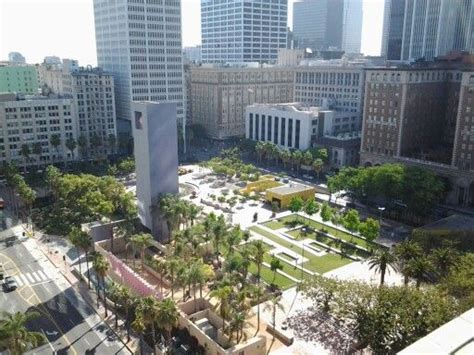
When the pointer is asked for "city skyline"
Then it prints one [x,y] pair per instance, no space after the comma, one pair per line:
[75,37]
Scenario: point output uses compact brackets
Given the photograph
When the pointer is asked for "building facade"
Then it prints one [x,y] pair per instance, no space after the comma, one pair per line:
[33,121]
[139,43]
[427,29]
[18,78]
[422,117]
[338,87]
[155,131]
[93,93]
[236,31]
[353,17]
[220,94]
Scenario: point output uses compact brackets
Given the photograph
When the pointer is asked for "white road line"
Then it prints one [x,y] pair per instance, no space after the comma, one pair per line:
[18,280]
[42,275]
[25,280]
[35,276]
[30,278]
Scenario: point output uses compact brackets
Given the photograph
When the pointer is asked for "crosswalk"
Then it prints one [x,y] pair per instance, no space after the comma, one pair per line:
[31,278]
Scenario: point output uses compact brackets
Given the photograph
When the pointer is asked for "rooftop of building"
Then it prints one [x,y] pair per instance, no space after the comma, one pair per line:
[455,222]
[289,189]
[292,107]
[14,97]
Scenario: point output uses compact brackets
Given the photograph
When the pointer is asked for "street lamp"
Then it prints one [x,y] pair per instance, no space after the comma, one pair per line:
[302,257]
[381,209]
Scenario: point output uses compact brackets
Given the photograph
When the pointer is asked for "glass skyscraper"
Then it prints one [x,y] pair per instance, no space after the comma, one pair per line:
[427,28]
[243,31]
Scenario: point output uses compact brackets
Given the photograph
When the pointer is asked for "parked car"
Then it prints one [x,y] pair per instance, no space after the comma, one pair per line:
[10,283]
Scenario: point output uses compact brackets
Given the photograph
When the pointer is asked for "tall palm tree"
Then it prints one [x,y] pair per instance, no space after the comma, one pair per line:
[405,252]
[101,266]
[167,317]
[141,242]
[14,334]
[172,266]
[193,212]
[237,324]
[55,141]
[258,255]
[444,259]
[25,152]
[318,166]
[139,326]
[115,290]
[194,276]
[223,294]
[126,300]
[275,265]
[419,269]
[83,241]
[382,260]
[71,145]
[273,306]
[219,230]
[233,239]
[148,308]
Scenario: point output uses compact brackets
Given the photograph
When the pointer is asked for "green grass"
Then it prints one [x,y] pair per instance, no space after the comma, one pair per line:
[267,275]
[288,268]
[319,264]
[292,219]
[286,257]
[275,224]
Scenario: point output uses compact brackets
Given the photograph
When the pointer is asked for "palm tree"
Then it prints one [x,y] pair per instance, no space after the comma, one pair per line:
[233,239]
[167,316]
[419,269]
[71,145]
[194,276]
[55,141]
[275,265]
[382,260]
[160,266]
[259,253]
[14,334]
[219,230]
[83,241]
[318,166]
[126,300]
[194,212]
[82,144]
[139,326]
[237,325]
[444,259]
[38,151]
[101,266]
[172,266]
[285,156]
[141,242]
[405,252]
[25,152]
[297,157]
[223,294]
[148,308]
[307,158]
[115,290]
[260,150]
[273,306]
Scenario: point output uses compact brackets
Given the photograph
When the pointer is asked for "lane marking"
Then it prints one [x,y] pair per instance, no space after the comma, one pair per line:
[30,278]
[35,276]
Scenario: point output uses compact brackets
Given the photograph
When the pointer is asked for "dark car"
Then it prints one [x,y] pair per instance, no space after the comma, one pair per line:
[10,283]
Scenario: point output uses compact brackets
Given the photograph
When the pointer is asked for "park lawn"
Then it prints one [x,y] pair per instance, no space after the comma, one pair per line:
[288,268]
[332,231]
[325,263]
[281,281]
[319,264]
[275,224]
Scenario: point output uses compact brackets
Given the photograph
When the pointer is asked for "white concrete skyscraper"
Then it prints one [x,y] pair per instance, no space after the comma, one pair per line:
[243,31]
[427,28]
[139,42]
[352,20]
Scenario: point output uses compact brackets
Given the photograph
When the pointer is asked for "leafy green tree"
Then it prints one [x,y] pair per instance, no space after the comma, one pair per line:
[382,261]
[296,204]
[311,207]
[326,212]
[459,282]
[321,290]
[370,229]
[351,221]
[14,334]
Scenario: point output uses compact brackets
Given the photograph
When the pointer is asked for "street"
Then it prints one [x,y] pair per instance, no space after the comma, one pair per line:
[68,322]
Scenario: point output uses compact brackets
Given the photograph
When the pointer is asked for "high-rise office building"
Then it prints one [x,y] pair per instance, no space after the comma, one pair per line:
[19,78]
[323,24]
[353,17]
[139,42]
[427,29]
[243,31]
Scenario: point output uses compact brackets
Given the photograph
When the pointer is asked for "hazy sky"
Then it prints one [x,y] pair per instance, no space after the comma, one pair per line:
[65,28]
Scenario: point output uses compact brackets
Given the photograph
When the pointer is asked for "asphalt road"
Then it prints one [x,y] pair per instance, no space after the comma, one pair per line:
[69,323]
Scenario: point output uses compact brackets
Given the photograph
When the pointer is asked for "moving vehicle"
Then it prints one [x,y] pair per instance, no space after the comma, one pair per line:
[10,283]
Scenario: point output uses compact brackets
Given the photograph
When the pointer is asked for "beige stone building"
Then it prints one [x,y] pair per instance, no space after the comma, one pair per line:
[219,95]
[422,116]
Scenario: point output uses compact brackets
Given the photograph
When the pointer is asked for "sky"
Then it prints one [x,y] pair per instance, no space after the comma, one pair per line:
[65,28]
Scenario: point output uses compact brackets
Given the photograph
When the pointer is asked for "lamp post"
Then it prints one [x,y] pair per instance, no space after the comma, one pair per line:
[302,257]
[381,209]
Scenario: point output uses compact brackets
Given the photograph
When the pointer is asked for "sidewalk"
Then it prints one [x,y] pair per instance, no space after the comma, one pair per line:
[64,264]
